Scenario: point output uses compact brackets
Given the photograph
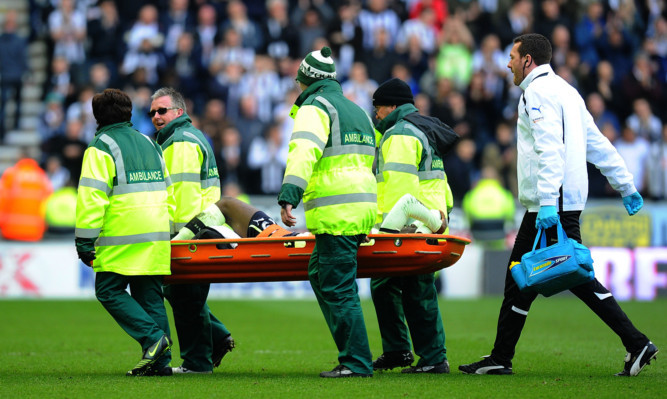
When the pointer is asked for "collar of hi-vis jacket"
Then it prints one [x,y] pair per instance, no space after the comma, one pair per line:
[112,126]
[166,132]
[395,116]
[543,69]
[319,86]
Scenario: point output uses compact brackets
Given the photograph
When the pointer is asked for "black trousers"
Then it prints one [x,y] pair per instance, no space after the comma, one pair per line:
[516,304]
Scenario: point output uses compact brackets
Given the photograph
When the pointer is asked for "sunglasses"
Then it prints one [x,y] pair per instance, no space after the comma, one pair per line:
[160,111]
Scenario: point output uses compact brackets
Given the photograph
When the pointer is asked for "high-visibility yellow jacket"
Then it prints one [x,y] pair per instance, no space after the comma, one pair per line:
[330,162]
[408,164]
[489,200]
[191,164]
[125,203]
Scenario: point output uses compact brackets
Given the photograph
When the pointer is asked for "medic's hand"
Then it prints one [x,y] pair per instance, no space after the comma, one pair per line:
[87,257]
[286,214]
[546,217]
[633,203]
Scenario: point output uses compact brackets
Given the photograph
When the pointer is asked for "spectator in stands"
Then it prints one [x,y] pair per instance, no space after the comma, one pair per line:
[489,60]
[438,7]
[145,27]
[460,168]
[378,16]
[501,155]
[634,150]
[147,60]
[52,120]
[517,20]
[13,68]
[454,60]
[67,27]
[641,83]
[58,175]
[606,84]
[82,109]
[380,59]
[228,50]
[346,37]
[141,105]
[249,30]
[643,122]
[423,27]
[588,33]
[310,27]
[24,189]
[105,36]
[657,168]
[228,157]
[601,115]
[174,22]
[549,16]
[267,158]
[69,147]
[359,88]
[281,37]
[100,77]
[560,42]
[207,32]
[61,81]
[618,46]
[185,70]
[440,99]
[263,83]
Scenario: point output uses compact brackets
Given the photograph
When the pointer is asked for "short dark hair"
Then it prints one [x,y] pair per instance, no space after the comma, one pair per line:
[111,106]
[536,45]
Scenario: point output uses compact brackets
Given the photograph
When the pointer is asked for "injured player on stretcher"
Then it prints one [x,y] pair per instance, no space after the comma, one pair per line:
[409,215]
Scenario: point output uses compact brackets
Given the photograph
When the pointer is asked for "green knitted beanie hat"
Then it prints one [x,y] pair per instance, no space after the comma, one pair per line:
[316,66]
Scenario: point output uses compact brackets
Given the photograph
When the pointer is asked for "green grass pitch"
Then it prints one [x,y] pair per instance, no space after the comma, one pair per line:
[73,349]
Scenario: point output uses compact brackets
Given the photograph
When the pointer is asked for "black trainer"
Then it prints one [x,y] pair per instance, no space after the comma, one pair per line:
[442,368]
[341,371]
[485,366]
[390,360]
[222,349]
[636,361]
[151,356]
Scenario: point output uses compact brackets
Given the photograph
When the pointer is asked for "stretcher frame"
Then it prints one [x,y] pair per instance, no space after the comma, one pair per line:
[286,258]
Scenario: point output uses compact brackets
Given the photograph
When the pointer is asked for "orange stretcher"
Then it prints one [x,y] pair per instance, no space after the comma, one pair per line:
[286,258]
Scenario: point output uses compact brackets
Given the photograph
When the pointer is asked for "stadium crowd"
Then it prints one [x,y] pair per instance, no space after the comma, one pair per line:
[235,62]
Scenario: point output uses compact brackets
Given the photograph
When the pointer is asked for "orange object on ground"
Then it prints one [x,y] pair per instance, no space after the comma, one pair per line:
[286,258]
[24,189]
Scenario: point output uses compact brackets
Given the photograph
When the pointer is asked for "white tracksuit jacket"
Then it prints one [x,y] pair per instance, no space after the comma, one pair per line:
[548,107]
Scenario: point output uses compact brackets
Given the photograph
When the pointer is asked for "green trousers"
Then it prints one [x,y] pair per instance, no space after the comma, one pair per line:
[413,299]
[141,313]
[332,271]
[197,328]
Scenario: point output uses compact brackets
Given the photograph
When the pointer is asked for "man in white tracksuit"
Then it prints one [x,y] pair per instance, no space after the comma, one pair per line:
[556,137]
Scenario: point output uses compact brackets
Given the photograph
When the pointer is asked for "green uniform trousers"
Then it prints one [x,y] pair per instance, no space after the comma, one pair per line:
[413,299]
[332,271]
[142,313]
[197,328]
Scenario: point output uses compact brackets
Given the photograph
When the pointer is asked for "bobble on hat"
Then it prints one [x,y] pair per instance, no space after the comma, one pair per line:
[316,66]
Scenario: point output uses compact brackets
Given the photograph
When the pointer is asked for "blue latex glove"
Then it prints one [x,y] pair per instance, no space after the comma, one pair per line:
[546,217]
[633,203]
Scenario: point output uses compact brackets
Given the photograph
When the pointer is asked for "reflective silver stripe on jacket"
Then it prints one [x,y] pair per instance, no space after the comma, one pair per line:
[337,147]
[94,183]
[303,135]
[118,158]
[87,233]
[132,239]
[123,187]
[205,182]
[339,199]
[297,181]
[185,177]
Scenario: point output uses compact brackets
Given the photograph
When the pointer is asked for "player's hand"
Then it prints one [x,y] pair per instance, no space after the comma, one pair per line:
[87,258]
[546,217]
[286,215]
[633,203]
